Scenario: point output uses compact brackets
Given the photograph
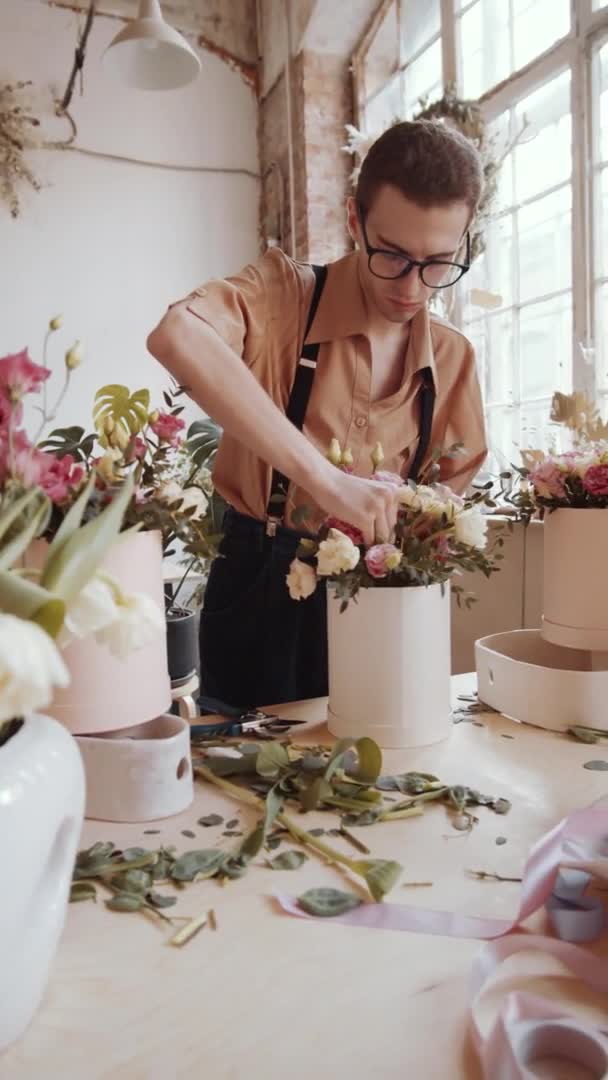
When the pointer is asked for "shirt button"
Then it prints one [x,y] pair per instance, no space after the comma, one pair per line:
[360,421]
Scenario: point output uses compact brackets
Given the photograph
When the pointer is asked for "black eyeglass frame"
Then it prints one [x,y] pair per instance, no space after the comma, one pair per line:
[411,263]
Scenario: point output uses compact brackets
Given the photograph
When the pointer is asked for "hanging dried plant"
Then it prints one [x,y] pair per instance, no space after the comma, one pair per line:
[16,137]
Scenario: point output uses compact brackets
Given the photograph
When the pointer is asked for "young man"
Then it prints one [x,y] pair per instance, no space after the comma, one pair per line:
[285,361]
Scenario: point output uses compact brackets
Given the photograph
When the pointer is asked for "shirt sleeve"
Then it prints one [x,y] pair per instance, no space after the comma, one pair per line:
[235,307]
[465,425]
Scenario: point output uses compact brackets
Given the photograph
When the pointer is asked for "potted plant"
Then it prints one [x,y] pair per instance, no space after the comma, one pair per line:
[41,608]
[171,506]
[389,612]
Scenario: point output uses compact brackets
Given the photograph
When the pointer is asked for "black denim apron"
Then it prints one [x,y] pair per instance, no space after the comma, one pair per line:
[257,645]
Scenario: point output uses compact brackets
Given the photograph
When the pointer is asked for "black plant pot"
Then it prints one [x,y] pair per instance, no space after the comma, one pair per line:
[182,643]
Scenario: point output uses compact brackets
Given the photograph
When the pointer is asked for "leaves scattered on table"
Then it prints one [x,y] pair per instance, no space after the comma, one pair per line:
[288,860]
[587,734]
[596,766]
[325,903]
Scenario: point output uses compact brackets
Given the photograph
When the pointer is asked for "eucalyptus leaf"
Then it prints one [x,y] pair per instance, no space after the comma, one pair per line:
[133,881]
[134,853]
[336,758]
[232,824]
[210,819]
[370,760]
[325,902]
[197,864]
[380,874]
[125,902]
[288,860]
[235,866]
[596,766]
[82,890]
[366,817]
[501,806]
[159,901]
[252,843]
[271,758]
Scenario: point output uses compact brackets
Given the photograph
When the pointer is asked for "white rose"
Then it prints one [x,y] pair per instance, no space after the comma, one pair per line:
[301,580]
[170,492]
[336,554]
[408,496]
[194,497]
[93,609]
[136,623]
[470,527]
[30,666]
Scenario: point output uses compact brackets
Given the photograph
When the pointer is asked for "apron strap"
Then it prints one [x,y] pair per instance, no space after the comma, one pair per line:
[297,405]
[427,408]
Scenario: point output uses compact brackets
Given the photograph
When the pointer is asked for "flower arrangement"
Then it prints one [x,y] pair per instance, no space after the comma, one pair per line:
[577,478]
[437,534]
[43,607]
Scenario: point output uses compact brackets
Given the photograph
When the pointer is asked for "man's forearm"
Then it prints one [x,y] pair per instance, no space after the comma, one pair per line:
[218,380]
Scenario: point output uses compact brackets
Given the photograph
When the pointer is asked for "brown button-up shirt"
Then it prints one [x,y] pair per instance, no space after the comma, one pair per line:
[262,312]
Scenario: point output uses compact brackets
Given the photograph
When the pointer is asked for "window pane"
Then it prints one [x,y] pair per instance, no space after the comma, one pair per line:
[487,54]
[599,4]
[544,159]
[423,78]
[535,431]
[503,439]
[501,368]
[601,140]
[544,245]
[382,57]
[537,24]
[601,336]
[484,46]
[420,23]
[601,224]
[492,272]
[384,108]
[545,347]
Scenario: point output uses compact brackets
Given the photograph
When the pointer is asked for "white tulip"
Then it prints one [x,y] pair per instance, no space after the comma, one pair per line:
[30,667]
[470,527]
[137,622]
[336,554]
[93,609]
[301,580]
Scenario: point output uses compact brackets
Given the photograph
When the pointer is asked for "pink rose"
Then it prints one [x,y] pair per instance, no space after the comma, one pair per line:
[351,531]
[56,476]
[595,480]
[19,375]
[167,427]
[138,450]
[548,480]
[384,477]
[381,558]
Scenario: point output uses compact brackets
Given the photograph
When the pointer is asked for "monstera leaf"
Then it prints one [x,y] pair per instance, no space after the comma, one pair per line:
[129,411]
[202,441]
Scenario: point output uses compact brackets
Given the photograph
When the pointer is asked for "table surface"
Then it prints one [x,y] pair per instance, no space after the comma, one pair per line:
[267,996]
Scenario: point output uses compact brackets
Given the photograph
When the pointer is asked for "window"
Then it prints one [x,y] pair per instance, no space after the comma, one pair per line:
[535,304]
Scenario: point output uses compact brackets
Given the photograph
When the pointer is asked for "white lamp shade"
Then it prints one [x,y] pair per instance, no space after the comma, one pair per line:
[148,54]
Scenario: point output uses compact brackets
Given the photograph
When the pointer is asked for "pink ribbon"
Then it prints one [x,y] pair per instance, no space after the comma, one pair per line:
[556,874]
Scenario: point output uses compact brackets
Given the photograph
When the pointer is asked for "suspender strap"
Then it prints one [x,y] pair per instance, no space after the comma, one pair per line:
[427,408]
[298,401]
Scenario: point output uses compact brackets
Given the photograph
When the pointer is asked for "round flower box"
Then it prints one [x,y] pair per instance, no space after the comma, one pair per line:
[575,588]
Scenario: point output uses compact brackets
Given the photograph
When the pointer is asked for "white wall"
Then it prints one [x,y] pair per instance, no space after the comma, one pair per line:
[110,244]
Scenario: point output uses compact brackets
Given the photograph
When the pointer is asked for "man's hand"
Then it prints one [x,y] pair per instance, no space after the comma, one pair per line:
[367,504]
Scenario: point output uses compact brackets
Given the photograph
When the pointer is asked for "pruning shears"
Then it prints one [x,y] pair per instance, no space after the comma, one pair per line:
[236,722]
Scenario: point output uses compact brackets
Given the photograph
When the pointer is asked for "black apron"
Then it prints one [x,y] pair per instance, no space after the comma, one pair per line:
[257,645]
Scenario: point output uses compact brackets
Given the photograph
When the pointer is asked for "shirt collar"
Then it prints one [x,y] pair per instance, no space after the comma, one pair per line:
[342,312]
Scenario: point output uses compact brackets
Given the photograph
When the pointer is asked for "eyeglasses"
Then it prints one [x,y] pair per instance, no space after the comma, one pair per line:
[434,273]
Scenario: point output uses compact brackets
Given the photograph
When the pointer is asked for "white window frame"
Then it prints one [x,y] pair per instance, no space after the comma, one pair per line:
[574,51]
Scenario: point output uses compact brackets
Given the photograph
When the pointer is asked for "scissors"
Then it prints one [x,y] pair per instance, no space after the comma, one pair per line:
[254,722]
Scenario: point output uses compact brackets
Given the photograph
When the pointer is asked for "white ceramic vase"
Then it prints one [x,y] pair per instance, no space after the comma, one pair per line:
[389,666]
[41,812]
[575,587]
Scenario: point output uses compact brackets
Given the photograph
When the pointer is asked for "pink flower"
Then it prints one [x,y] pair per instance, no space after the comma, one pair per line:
[56,476]
[167,427]
[19,375]
[138,450]
[384,477]
[8,410]
[548,480]
[381,558]
[349,530]
[595,480]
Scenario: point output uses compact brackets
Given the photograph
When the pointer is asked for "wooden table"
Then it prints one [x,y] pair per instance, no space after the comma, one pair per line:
[269,997]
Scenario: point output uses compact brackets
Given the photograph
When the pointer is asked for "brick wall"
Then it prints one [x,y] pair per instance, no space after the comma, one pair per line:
[321,104]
